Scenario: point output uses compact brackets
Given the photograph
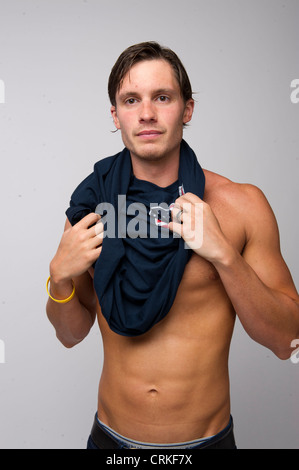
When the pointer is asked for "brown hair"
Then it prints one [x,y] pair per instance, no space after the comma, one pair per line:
[147,51]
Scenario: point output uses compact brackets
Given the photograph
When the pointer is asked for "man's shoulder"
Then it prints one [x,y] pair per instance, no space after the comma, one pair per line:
[235,193]
[243,203]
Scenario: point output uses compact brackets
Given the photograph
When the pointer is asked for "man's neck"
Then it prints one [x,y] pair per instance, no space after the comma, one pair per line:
[162,172]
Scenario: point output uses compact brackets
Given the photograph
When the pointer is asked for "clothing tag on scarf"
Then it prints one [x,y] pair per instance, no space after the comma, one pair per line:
[181,190]
[162,214]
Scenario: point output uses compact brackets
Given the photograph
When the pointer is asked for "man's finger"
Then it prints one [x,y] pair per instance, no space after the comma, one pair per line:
[88,220]
[175,227]
[97,230]
[178,215]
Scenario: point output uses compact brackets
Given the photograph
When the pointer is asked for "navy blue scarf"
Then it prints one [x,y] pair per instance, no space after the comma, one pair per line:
[136,279]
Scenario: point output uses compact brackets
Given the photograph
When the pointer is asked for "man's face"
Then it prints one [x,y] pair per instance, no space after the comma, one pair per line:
[150,111]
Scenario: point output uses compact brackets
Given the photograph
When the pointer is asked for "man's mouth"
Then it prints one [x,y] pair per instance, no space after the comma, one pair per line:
[151,133]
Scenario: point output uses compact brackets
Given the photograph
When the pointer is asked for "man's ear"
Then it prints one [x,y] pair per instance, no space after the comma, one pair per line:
[188,113]
[114,117]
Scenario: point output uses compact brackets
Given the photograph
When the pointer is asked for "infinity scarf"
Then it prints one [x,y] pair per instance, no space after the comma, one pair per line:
[136,278]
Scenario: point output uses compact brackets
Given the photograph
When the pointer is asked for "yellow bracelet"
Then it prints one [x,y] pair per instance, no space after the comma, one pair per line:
[60,301]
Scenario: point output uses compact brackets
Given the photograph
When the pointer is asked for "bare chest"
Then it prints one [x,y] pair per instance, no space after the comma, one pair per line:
[200,273]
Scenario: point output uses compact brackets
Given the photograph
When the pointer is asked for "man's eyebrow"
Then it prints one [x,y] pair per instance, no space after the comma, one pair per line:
[159,91]
[165,91]
[127,94]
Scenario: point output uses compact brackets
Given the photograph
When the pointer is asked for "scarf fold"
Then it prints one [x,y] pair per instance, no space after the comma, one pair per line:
[138,272]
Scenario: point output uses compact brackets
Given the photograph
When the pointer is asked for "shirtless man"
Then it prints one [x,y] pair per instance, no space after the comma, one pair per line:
[171,384]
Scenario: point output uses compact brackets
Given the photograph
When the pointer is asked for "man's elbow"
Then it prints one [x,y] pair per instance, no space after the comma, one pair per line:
[288,351]
[292,352]
[283,355]
[68,343]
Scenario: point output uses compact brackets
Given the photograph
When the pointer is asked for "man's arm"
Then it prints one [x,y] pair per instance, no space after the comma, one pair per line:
[257,282]
[79,248]
[265,297]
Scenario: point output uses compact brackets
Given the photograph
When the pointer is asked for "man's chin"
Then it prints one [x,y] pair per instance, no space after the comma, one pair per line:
[148,152]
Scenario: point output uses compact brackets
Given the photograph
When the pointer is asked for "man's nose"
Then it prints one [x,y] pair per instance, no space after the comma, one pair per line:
[147,112]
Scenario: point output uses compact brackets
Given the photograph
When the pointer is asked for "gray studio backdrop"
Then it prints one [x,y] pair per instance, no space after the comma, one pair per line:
[55,58]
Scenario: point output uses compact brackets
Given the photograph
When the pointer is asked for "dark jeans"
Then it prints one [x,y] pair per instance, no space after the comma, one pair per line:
[101,439]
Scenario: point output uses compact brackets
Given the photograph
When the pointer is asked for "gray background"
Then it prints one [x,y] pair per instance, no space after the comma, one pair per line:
[55,58]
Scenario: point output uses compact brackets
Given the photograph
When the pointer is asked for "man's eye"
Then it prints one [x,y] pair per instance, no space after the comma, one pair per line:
[163,98]
[131,100]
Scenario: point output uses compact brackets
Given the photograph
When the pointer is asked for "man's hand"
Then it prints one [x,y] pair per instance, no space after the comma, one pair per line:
[79,248]
[195,222]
